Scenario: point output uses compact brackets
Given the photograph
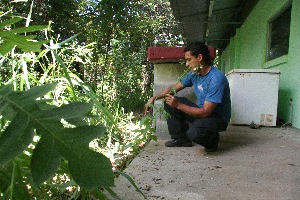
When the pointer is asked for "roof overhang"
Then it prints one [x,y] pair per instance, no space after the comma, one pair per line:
[211,21]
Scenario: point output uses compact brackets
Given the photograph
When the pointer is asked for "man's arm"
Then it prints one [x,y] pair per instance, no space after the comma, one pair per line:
[177,87]
[203,112]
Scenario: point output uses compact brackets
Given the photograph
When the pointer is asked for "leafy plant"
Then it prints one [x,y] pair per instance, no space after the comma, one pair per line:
[27,116]
[11,37]
[104,65]
[53,142]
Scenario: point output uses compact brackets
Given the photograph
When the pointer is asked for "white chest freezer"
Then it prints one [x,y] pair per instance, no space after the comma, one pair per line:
[254,96]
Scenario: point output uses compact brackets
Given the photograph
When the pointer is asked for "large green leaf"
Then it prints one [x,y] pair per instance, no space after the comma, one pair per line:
[6,109]
[32,94]
[88,168]
[28,29]
[16,137]
[6,47]
[11,38]
[92,170]
[45,160]
[10,22]
[15,101]
[69,111]
[73,136]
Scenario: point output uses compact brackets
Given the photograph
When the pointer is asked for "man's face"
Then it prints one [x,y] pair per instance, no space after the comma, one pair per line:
[191,62]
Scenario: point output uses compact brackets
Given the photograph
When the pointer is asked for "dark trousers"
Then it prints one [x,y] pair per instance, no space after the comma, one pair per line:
[203,131]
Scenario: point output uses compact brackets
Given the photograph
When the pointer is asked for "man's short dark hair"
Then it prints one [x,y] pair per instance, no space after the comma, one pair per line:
[197,48]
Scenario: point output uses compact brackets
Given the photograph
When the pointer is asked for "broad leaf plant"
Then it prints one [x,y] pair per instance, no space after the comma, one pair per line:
[59,134]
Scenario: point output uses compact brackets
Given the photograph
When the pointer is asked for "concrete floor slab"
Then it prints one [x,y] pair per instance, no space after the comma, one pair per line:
[254,164]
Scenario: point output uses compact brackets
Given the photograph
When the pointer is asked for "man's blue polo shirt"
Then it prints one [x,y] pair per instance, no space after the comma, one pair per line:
[213,87]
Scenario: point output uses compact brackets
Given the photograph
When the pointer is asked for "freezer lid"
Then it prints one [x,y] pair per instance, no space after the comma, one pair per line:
[270,71]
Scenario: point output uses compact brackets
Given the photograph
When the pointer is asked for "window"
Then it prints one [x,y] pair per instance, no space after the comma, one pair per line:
[279,34]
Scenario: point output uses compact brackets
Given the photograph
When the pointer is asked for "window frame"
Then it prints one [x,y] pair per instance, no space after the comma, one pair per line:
[287,6]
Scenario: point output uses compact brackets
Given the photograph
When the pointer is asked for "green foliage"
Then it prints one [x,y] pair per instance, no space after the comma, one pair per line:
[50,141]
[88,168]
[63,14]
[62,148]
[11,38]
[123,30]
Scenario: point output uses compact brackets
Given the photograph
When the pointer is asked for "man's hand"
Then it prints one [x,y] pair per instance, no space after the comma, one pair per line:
[172,101]
[148,109]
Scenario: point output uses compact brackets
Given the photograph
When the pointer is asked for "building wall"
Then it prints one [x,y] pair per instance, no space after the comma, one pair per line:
[247,49]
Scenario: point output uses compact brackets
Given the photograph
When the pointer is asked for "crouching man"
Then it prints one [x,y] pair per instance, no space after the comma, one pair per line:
[199,123]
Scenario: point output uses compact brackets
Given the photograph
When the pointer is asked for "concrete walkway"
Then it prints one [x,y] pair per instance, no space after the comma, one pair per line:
[251,164]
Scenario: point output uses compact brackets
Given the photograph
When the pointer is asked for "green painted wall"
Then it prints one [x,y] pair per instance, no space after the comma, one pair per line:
[247,49]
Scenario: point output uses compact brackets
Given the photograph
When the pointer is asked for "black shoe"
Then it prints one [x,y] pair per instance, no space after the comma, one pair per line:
[214,147]
[211,149]
[181,142]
